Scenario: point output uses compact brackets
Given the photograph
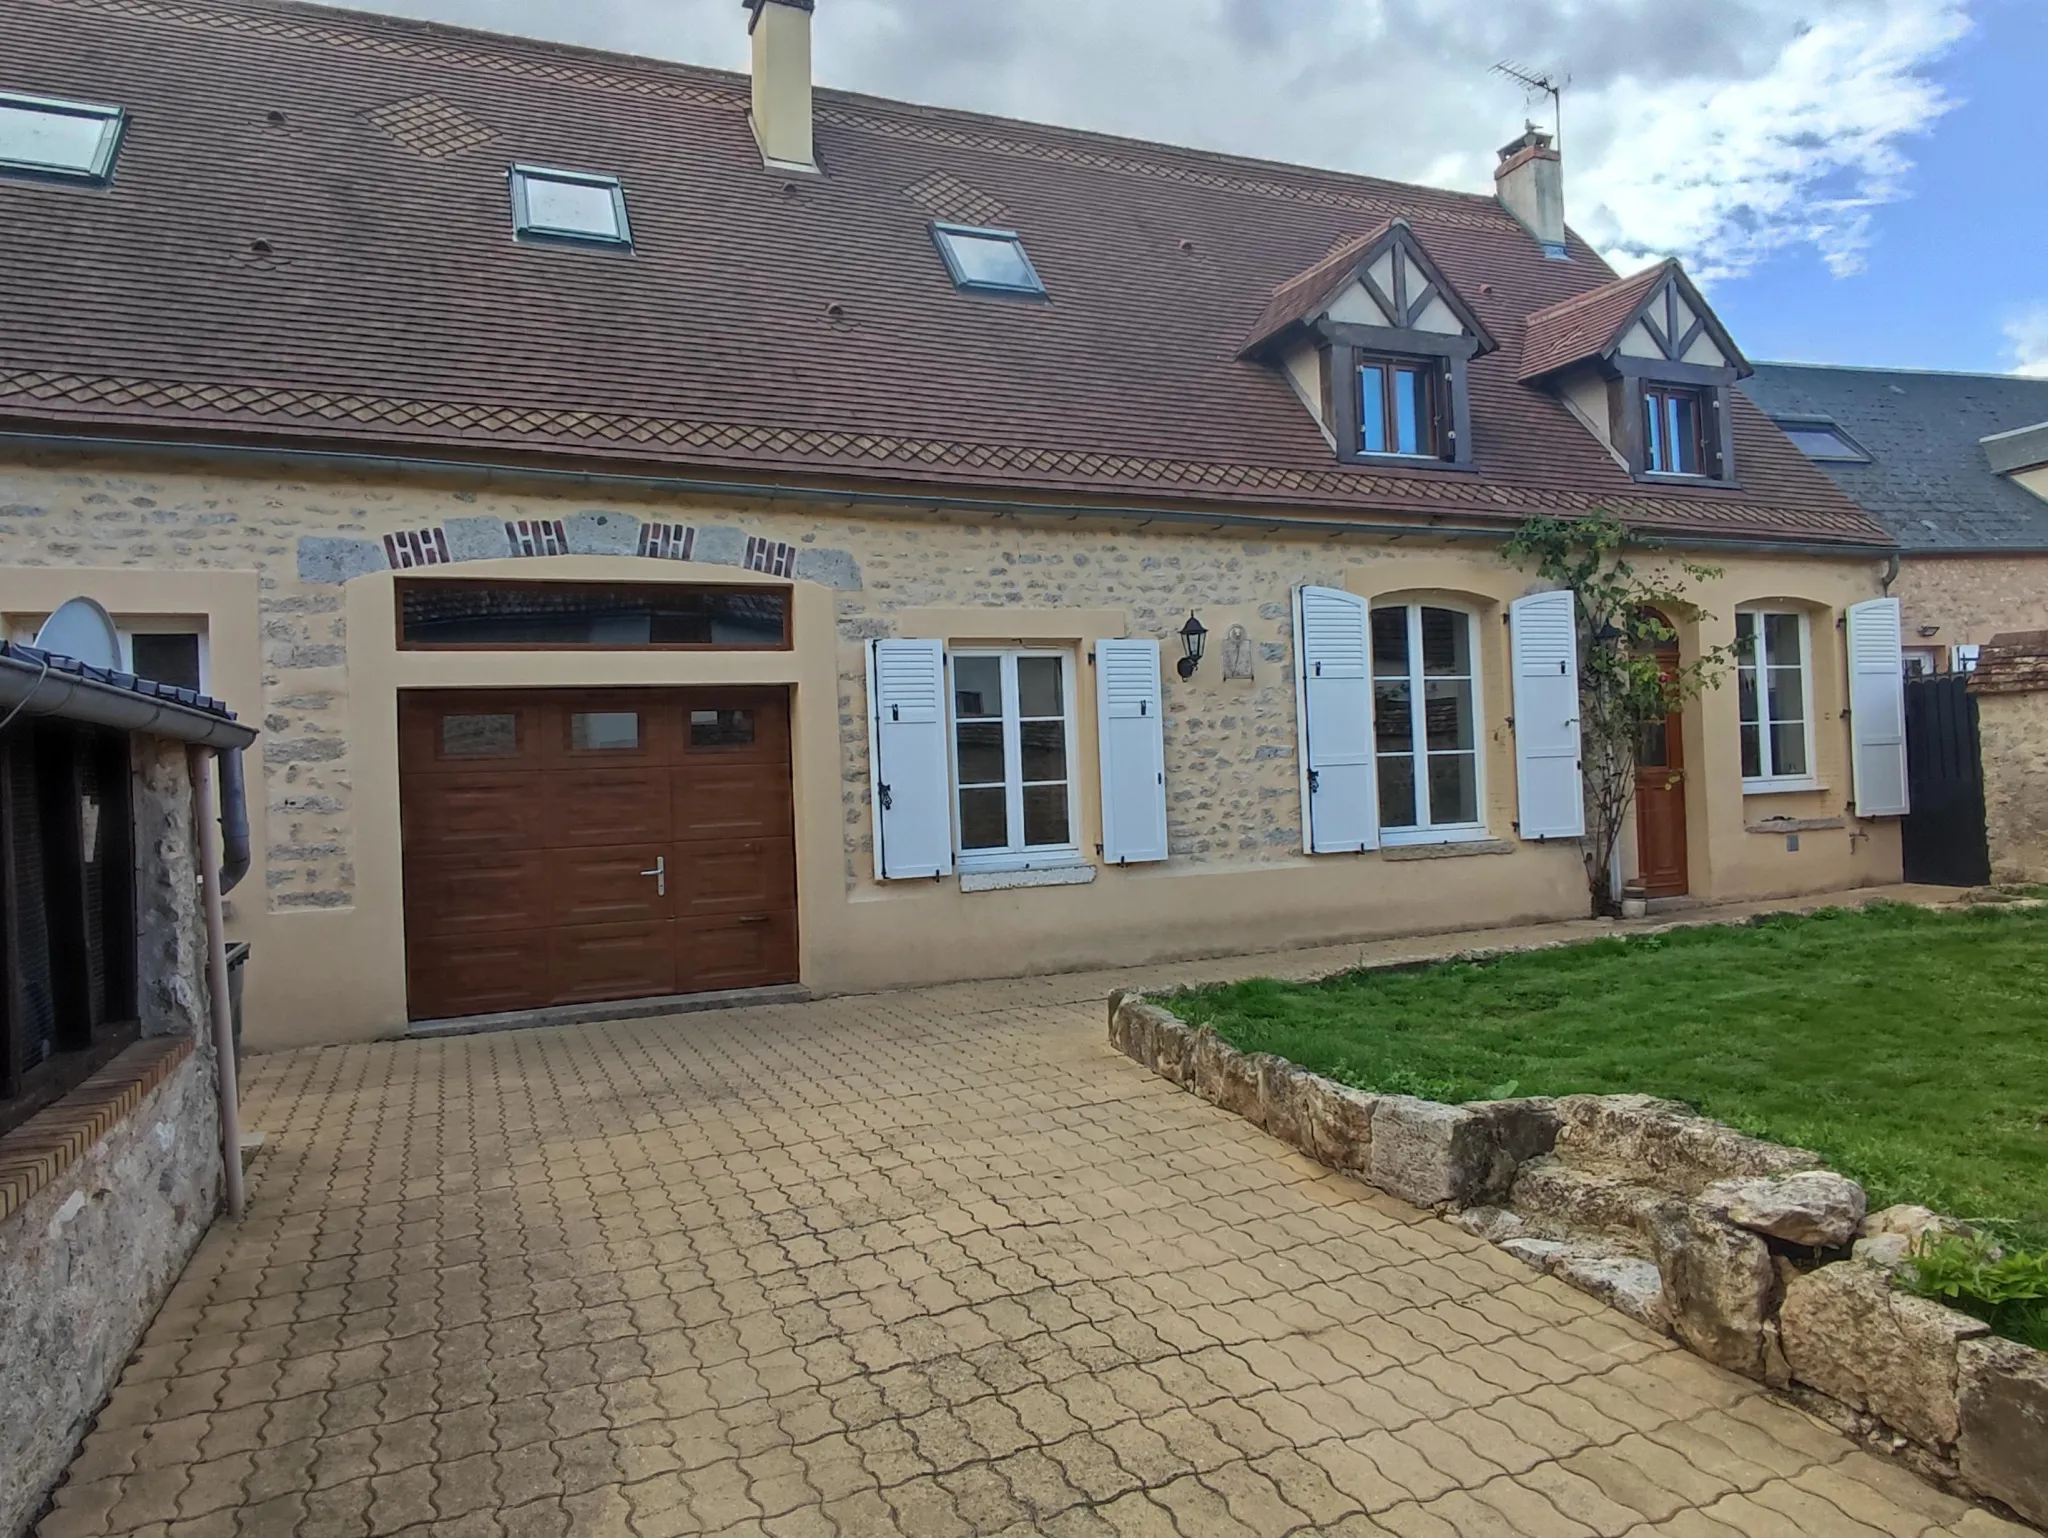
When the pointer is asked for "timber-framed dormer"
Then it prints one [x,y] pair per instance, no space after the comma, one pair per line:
[1376,342]
[1647,367]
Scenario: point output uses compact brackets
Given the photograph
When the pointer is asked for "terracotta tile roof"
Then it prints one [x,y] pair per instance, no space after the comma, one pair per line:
[1583,326]
[1302,295]
[388,304]
[2013,663]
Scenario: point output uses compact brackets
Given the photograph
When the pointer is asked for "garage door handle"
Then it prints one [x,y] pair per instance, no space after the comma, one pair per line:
[660,875]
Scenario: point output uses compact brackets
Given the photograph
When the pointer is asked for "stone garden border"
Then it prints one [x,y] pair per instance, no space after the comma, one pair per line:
[1749,1254]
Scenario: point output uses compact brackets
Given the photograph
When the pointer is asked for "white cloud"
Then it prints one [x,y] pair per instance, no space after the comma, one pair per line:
[2026,341]
[1722,131]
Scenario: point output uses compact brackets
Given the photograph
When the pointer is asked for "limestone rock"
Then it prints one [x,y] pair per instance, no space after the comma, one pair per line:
[1816,1208]
[1850,1334]
[1912,1223]
[1583,1201]
[1720,1286]
[1888,1252]
[1169,1047]
[1204,1065]
[2003,1411]
[1543,1254]
[1236,1086]
[1496,1225]
[1284,1091]
[1664,1143]
[1633,1286]
[1523,1129]
[1433,1155]
[1338,1125]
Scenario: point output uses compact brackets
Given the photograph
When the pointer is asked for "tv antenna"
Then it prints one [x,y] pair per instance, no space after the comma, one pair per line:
[1547,83]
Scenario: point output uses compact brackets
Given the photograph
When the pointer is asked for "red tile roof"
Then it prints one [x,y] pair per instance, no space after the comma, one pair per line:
[1302,295]
[762,327]
[1585,325]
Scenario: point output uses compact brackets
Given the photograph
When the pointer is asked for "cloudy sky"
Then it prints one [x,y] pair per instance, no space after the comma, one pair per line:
[1817,162]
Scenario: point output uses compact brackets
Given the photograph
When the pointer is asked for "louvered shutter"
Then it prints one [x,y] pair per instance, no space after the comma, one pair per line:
[908,761]
[1133,746]
[1340,806]
[1877,708]
[1543,631]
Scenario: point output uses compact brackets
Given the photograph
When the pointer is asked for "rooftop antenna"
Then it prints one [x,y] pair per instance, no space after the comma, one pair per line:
[1547,83]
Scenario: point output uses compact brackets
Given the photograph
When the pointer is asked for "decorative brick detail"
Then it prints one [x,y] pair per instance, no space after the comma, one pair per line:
[770,556]
[429,126]
[667,541]
[416,547]
[537,536]
[50,1142]
[949,198]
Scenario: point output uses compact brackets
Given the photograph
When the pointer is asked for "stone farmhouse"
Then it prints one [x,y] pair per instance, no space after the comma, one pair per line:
[683,532]
[1956,467]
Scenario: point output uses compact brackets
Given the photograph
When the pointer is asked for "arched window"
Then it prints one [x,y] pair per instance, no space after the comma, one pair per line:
[1426,716]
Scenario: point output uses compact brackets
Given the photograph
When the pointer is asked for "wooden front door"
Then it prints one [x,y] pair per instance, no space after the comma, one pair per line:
[1660,805]
[581,846]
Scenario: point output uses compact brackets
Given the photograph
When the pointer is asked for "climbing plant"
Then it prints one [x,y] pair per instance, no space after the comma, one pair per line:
[1626,688]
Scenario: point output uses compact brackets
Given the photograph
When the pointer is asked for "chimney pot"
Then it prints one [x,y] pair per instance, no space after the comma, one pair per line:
[1530,184]
[781,33]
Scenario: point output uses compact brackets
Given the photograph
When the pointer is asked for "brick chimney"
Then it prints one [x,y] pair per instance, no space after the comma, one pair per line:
[781,30]
[1529,182]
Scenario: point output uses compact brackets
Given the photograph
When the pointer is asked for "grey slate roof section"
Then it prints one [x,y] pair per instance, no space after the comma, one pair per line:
[2022,450]
[1930,480]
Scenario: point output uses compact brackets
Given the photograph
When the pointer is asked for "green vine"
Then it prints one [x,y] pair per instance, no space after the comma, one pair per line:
[1627,683]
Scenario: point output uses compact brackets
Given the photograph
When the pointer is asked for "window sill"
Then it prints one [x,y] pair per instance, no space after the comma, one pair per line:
[1407,462]
[1780,787]
[50,1142]
[1675,478]
[1446,849]
[1020,878]
[1409,838]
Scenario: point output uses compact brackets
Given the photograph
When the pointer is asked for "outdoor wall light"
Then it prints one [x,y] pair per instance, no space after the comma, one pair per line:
[1194,638]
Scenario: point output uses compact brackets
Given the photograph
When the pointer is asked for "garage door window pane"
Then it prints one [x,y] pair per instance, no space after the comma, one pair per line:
[480,736]
[572,615]
[721,728]
[604,731]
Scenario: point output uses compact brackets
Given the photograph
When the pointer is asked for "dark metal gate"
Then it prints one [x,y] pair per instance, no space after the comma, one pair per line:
[1944,836]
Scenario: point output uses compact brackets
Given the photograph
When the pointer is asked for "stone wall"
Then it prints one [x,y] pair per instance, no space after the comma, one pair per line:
[2013,734]
[104,1194]
[1749,1254]
[1971,598]
[84,1265]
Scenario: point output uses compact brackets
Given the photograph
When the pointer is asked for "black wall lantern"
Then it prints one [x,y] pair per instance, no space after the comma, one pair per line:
[1194,637]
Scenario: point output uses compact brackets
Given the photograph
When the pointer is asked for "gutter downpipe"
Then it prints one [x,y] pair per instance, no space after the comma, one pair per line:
[234,820]
[350,460]
[211,875]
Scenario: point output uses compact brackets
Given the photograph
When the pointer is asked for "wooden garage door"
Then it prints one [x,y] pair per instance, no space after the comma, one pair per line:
[572,847]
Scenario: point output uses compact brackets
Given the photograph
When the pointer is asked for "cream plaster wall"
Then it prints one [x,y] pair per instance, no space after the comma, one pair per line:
[312,657]
[1971,598]
[2035,480]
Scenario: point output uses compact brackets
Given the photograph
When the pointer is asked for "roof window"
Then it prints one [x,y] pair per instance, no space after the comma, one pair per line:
[569,206]
[1819,439]
[987,261]
[72,140]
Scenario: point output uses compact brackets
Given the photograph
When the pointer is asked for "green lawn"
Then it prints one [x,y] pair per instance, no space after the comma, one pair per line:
[1909,1047]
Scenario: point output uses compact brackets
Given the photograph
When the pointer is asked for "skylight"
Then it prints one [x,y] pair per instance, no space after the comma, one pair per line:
[987,261]
[569,206]
[1821,440]
[72,140]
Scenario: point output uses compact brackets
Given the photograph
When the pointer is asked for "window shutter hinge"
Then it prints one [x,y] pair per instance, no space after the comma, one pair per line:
[1091,659]
[888,801]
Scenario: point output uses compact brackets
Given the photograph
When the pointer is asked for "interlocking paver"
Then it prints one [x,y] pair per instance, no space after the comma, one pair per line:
[925,1263]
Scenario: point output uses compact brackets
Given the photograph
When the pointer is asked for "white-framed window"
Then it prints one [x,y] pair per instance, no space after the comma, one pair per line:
[1014,805]
[1965,658]
[1774,691]
[1426,714]
[1921,661]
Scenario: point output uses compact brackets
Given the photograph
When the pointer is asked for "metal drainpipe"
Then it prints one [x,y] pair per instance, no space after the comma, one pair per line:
[204,796]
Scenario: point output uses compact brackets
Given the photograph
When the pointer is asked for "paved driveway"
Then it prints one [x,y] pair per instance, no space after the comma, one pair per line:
[933,1263]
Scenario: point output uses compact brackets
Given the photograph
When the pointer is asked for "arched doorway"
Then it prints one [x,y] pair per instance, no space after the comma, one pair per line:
[1660,793]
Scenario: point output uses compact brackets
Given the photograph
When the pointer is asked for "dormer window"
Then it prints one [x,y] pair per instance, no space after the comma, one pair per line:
[1674,430]
[1648,370]
[1375,341]
[1399,406]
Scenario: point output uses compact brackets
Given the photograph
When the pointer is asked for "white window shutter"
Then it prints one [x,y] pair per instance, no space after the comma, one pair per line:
[1543,632]
[1333,657]
[909,767]
[1877,708]
[1133,747]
